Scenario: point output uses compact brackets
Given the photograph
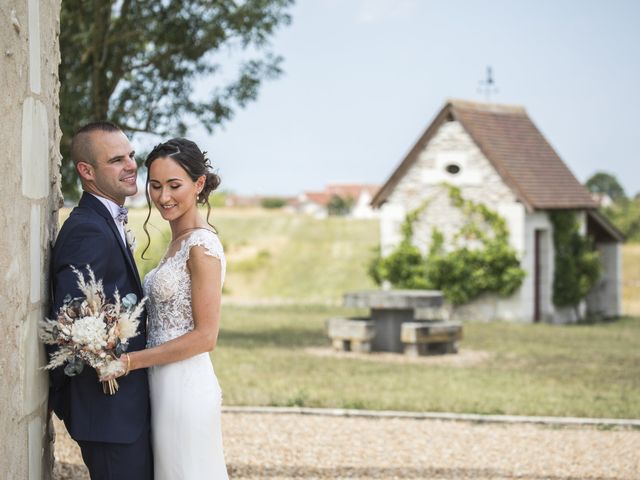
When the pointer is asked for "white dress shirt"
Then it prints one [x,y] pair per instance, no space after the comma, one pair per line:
[114,210]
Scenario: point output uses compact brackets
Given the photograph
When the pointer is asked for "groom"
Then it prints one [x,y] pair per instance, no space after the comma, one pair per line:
[112,431]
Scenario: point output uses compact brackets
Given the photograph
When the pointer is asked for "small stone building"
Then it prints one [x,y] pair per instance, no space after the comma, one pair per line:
[496,155]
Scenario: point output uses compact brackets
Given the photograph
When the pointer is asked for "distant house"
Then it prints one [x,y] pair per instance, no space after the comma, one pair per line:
[497,156]
[316,203]
[602,199]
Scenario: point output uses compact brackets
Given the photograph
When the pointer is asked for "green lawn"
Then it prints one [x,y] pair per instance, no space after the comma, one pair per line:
[294,257]
[277,256]
[263,358]
[263,355]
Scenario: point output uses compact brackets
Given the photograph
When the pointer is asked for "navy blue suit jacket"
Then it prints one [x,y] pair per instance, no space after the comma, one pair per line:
[90,237]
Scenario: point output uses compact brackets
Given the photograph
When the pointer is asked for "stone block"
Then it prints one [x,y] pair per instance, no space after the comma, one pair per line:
[34,46]
[394,299]
[35,254]
[430,332]
[350,328]
[36,381]
[35,149]
[430,338]
[351,334]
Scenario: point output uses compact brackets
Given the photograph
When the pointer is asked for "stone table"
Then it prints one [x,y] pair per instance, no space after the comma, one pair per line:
[390,309]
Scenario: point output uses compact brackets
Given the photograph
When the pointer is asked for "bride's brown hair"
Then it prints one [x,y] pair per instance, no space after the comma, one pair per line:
[195,162]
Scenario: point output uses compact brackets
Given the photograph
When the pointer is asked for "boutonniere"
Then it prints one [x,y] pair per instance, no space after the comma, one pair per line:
[131,239]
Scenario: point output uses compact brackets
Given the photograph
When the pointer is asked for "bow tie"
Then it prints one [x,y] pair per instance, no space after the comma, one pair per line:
[122,216]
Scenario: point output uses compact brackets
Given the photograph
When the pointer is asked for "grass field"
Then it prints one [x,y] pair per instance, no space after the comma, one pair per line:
[277,257]
[293,257]
[631,279]
[275,356]
[286,274]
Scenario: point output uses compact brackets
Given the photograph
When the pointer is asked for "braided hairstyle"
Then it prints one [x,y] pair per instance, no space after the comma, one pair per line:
[194,161]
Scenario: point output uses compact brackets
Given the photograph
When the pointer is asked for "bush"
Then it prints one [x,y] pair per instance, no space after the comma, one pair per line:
[273,203]
[340,206]
[462,274]
[625,215]
[404,268]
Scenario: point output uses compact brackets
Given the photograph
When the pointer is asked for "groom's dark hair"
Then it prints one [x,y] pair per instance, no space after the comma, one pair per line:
[81,148]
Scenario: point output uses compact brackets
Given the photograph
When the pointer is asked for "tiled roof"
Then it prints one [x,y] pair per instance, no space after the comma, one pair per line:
[344,190]
[321,198]
[515,147]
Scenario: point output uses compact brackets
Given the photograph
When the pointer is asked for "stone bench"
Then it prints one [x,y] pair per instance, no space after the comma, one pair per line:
[425,338]
[351,334]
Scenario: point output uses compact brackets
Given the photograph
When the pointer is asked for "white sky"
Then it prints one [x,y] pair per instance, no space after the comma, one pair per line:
[364,78]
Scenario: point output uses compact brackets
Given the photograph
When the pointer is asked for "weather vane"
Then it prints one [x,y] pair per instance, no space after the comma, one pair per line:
[488,85]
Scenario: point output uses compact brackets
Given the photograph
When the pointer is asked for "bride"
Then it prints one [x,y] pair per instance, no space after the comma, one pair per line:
[183,307]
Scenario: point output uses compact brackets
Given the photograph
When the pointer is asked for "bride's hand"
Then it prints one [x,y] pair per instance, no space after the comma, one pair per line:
[116,368]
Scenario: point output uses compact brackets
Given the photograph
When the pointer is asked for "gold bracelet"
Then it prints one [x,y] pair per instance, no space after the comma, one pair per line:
[128,365]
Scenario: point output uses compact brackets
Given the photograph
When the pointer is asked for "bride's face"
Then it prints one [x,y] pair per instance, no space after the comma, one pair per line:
[171,189]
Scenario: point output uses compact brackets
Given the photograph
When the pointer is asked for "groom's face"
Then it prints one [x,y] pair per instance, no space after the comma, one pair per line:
[115,169]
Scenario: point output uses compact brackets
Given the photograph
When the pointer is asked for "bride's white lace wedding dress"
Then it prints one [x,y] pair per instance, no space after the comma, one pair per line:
[185,396]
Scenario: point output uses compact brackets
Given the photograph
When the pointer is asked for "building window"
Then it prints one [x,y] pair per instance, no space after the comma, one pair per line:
[453,169]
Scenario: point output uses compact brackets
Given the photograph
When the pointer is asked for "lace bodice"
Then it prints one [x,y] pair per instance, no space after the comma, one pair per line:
[168,289]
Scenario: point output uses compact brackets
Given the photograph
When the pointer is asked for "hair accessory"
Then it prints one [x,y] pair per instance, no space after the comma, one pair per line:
[174,153]
[205,160]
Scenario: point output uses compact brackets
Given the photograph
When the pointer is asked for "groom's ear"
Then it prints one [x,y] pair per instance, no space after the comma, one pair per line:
[85,170]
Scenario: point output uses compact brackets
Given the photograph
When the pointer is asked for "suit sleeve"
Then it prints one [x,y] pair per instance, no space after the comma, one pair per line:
[85,244]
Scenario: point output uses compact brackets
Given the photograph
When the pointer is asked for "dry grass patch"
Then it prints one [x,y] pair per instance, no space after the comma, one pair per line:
[465,358]
[631,279]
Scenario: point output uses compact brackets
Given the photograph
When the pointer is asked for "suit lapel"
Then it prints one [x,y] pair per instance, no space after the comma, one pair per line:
[132,263]
[92,202]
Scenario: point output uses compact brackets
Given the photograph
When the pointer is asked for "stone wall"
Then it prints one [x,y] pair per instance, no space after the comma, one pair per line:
[478,181]
[30,198]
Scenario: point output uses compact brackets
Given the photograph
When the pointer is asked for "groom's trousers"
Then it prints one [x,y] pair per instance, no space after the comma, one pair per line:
[119,461]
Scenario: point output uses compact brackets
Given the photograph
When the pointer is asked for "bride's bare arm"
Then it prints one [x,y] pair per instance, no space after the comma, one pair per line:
[205,300]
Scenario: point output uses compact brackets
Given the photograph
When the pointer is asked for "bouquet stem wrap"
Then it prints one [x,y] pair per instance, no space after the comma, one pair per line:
[110,387]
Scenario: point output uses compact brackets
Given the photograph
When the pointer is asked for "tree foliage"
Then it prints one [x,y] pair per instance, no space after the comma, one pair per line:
[481,262]
[136,63]
[273,203]
[624,212]
[605,183]
[340,206]
[625,215]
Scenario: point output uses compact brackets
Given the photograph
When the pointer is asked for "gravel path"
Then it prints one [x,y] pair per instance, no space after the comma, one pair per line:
[290,446]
